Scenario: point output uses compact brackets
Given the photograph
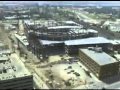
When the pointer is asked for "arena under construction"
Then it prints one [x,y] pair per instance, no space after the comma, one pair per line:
[50,36]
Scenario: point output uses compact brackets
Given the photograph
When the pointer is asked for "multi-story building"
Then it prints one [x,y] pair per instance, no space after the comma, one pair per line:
[98,62]
[13,74]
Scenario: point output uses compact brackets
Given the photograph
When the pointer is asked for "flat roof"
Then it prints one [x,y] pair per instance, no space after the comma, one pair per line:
[21,70]
[12,17]
[92,31]
[117,56]
[101,58]
[3,58]
[48,42]
[71,22]
[63,27]
[29,22]
[1,44]
[21,38]
[84,30]
[115,42]
[6,51]
[92,40]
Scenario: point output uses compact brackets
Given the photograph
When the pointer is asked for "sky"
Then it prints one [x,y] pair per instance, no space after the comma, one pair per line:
[101,3]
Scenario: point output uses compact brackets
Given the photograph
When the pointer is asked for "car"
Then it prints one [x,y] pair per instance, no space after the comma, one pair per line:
[65,69]
[72,71]
[69,67]
[77,74]
[68,72]
[70,62]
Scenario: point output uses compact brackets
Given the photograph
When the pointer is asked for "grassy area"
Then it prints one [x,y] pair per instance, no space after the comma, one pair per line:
[96,16]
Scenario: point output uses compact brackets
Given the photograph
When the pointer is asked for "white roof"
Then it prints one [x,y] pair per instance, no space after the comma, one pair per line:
[117,56]
[101,58]
[21,38]
[71,22]
[5,51]
[84,31]
[21,70]
[92,21]
[62,27]
[12,17]
[92,40]
[92,31]
[1,44]
[115,27]
[3,58]
[29,22]
[115,42]
[47,42]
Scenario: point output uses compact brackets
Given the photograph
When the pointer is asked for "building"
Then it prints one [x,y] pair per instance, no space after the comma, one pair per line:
[13,74]
[115,44]
[4,49]
[51,37]
[113,26]
[22,43]
[98,62]
[72,46]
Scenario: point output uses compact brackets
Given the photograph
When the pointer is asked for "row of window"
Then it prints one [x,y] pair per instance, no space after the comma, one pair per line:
[24,85]
[17,83]
[88,62]
[16,79]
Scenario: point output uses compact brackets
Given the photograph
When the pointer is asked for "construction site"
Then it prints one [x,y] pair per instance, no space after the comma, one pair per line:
[55,51]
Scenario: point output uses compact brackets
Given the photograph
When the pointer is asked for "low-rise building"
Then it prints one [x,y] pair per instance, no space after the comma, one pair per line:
[72,46]
[115,44]
[98,62]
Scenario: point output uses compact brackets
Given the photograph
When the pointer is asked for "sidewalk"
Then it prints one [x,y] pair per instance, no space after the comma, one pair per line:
[39,82]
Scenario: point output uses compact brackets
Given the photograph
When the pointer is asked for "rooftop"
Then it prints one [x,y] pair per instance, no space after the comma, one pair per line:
[22,39]
[12,17]
[3,58]
[117,56]
[62,27]
[101,58]
[92,40]
[48,42]
[12,69]
[115,42]
[70,22]
[1,44]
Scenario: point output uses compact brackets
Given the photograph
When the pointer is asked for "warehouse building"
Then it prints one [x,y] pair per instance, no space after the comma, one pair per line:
[72,46]
[98,62]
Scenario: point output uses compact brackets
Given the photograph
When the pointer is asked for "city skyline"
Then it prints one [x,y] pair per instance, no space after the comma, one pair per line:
[77,3]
